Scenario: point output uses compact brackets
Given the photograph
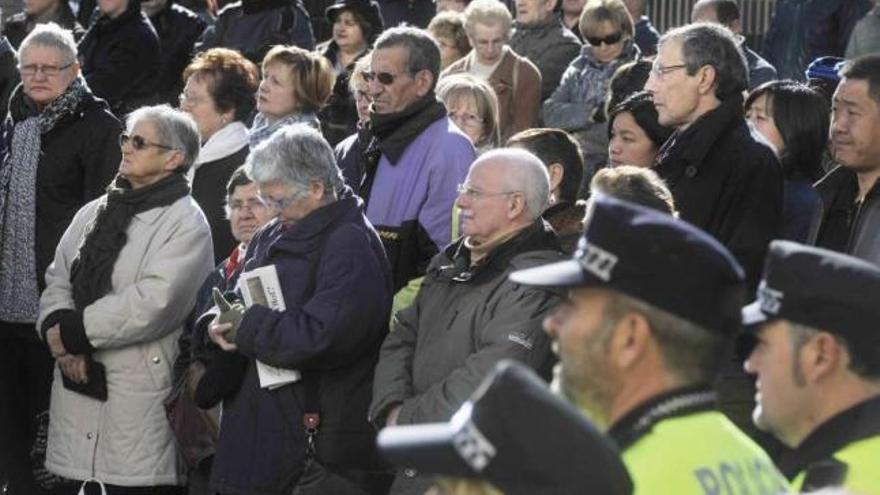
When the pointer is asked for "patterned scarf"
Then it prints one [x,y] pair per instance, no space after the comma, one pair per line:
[19,289]
[262,129]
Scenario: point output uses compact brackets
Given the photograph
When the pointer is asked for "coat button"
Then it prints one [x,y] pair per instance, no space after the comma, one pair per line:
[410,473]
[690,171]
[156,360]
[89,435]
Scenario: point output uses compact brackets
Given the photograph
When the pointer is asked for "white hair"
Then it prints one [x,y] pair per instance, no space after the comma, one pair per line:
[174,128]
[296,155]
[53,36]
[524,172]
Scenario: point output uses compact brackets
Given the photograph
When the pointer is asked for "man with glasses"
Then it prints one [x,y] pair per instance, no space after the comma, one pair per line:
[416,156]
[468,315]
[61,153]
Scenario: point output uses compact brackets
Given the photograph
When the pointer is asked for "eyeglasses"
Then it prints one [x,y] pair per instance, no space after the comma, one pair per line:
[30,70]
[608,40]
[660,71]
[185,99]
[251,204]
[466,119]
[466,190]
[384,78]
[139,143]
[283,203]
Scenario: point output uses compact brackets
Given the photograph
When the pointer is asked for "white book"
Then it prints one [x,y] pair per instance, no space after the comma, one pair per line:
[261,286]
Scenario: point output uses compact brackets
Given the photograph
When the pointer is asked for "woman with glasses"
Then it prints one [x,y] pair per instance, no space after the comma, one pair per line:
[356,24]
[219,95]
[577,105]
[123,281]
[471,103]
[311,435]
[61,153]
[296,84]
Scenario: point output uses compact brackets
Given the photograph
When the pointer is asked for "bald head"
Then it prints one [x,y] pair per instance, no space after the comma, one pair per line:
[520,170]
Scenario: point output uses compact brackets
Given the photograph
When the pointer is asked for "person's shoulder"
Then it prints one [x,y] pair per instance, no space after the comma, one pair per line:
[97,112]
[182,14]
[230,10]
[17,20]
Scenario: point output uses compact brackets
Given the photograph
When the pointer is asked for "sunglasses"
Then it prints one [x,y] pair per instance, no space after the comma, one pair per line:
[608,40]
[139,143]
[384,78]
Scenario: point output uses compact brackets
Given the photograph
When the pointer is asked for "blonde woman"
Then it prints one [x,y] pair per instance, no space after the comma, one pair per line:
[473,106]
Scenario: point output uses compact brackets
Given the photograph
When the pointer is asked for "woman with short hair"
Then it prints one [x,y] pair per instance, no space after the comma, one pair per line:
[577,105]
[516,81]
[473,106]
[219,95]
[124,279]
[447,29]
[295,86]
[336,285]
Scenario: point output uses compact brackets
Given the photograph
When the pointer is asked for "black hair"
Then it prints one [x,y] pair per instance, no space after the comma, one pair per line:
[641,107]
[555,146]
[801,114]
[239,178]
[865,68]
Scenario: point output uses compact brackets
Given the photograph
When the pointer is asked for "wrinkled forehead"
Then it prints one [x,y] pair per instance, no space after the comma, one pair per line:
[391,59]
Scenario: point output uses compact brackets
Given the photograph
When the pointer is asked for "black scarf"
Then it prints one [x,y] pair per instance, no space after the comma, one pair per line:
[91,270]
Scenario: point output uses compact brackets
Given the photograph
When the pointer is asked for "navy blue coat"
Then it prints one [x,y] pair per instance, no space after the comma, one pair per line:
[336,285]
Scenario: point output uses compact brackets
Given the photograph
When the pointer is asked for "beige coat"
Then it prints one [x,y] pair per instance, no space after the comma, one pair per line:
[517,83]
[126,440]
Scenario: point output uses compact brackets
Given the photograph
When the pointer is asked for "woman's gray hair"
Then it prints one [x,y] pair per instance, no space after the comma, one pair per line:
[297,156]
[174,128]
[487,13]
[53,36]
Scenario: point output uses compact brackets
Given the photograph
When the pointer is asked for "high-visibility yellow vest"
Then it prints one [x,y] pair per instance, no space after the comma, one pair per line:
[702,453]
[862,460]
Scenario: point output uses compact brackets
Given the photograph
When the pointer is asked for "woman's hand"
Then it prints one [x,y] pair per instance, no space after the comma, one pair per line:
[74,367]
[217,333]
[53,340]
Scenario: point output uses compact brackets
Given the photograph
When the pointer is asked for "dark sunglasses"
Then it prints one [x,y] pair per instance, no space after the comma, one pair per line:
[384,78]
[139,143]
[608,40]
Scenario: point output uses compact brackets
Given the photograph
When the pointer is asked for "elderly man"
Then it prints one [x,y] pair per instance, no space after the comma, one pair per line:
[417,156]
[724,179]
[61,153]
[849,218]
[816,356]
[726,13]
[467,315]
[516,81]
[639,339]
[541,37]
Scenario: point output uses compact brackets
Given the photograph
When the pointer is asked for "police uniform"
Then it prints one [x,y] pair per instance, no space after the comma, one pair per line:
[676,442]
[516,434]
[839,294]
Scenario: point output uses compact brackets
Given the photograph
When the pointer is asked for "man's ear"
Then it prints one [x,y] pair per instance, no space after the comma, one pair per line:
[822,357]
[424,82]
[630,340]
[708,77]
[516,205]
[556,173]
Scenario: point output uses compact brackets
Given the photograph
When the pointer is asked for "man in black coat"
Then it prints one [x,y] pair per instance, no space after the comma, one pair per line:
[724,179]
[34,12]
[178,29]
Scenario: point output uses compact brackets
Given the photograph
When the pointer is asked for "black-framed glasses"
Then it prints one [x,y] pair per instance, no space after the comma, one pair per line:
[139,143]
[31,70]
[608,40]
[384,78]
[660,70]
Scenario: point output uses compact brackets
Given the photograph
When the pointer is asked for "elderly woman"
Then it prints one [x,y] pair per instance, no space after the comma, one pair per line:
[516,81]
[61,153]
[578,102]
[447,29]
[120,56]
[311,434]
[124,279]
[295,86]
[219,95]
[356,24]
[473,106]
[635,136]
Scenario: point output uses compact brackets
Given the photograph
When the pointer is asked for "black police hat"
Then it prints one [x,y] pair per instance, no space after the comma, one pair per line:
[655,258]
[516,434]
[821,289]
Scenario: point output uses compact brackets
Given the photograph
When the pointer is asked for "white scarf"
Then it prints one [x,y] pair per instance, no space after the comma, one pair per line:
[223,143]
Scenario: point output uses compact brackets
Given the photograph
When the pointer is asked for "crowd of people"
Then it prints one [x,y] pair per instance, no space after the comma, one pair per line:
[351,247]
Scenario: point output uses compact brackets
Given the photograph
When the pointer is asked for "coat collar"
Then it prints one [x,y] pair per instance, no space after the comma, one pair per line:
[675,403]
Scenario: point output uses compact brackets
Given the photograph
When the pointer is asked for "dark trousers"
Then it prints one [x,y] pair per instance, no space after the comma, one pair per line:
[95,489]
[25,382]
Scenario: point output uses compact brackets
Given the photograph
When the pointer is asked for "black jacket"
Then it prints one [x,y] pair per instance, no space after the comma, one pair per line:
[80,156]
[19,25]
[9,76]
[727,182]
[254,26]
[120,59]
[209,191]
[178,29]
[336,286]
[339,118]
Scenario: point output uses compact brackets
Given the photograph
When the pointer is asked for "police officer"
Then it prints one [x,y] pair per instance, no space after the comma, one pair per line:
[816,322]
[652,306]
